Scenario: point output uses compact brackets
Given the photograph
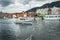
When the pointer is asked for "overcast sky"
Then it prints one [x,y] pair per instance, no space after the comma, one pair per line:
[21,5]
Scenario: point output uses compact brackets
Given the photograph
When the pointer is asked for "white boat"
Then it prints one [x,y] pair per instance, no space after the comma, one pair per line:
[52,17]
[24,21]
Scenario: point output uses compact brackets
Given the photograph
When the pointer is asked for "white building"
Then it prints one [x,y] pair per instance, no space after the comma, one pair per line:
[48,11]
[56,10]
[42,11]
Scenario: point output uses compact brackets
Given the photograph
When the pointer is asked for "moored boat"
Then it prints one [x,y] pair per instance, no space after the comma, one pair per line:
[24,21]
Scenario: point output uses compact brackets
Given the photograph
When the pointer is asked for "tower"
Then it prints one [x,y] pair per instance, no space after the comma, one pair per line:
[49,11]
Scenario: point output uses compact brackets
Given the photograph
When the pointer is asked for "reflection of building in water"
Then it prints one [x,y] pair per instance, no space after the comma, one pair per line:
[48,11]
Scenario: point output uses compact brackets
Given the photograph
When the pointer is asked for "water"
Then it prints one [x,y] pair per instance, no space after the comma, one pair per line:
[39,30]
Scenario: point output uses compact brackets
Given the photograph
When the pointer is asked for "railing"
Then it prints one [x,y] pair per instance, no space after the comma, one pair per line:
[52,16]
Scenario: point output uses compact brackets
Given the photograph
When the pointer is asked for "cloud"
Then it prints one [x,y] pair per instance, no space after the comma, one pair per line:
[17,7]
[25,1]
[36,3]
[51,0]
[5,2]
[22,5]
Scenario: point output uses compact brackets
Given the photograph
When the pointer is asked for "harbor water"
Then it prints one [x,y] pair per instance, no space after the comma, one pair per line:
[39,30]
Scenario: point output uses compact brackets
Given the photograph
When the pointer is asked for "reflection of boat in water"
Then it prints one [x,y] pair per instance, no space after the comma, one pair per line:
[52,17]
[24,21]
[5,17]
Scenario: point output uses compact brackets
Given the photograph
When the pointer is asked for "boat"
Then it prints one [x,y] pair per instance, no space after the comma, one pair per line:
[52,17]
[24,21]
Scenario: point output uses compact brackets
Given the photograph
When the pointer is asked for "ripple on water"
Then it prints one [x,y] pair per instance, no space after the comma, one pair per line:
[41,30]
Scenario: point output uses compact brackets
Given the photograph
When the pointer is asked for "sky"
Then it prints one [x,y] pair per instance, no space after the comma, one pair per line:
[14,6]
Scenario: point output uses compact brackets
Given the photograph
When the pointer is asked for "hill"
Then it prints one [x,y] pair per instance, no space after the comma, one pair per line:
[47,5]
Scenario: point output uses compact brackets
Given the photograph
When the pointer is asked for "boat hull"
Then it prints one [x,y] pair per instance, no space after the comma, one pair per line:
[23,22]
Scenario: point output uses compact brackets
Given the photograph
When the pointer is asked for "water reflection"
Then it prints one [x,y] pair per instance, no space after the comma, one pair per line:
[39,30]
